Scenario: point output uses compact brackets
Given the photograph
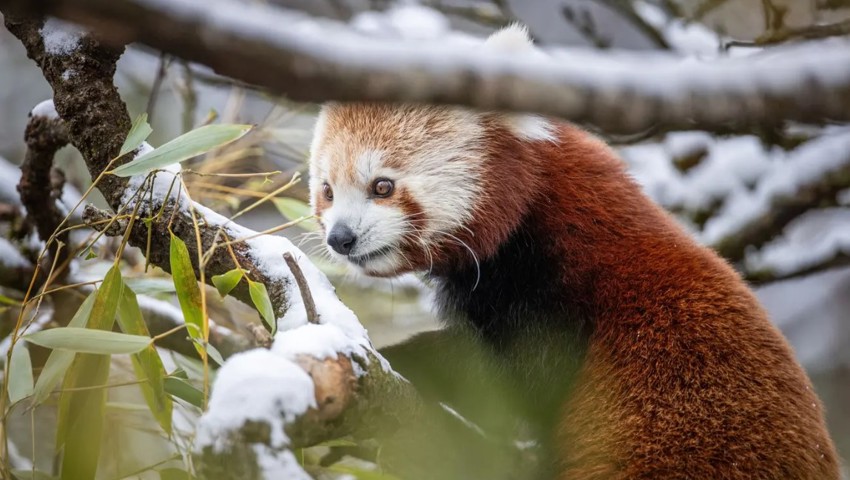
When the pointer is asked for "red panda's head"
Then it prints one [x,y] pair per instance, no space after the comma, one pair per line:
[401,188]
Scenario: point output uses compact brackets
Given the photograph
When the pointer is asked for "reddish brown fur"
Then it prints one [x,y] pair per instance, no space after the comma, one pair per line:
[685,376]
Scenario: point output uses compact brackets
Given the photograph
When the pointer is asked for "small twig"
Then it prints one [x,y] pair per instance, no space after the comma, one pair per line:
[190,97]
[312,316]
[164,61]
[810,32]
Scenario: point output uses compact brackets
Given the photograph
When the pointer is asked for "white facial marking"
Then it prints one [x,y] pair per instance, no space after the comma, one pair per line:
[436,156]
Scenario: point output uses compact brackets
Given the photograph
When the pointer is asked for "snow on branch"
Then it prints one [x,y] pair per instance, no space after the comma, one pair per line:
[334,380]
[311,60]
[810,176]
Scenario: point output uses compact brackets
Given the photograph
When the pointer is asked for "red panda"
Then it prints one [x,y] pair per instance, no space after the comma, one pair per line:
[642,353]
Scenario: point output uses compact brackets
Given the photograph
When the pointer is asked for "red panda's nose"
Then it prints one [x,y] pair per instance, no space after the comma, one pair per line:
[341,239]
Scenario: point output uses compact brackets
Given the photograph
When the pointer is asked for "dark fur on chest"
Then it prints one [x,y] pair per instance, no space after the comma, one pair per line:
[518,307]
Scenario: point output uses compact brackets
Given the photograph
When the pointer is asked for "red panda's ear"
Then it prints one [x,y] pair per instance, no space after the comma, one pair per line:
[514,39]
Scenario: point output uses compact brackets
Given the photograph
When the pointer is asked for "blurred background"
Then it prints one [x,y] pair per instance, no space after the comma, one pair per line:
[703,178]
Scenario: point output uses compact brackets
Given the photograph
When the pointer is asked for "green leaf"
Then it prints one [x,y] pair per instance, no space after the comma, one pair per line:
[337,442]
[227,281]
[174,474]
[146,364]
[150,286]
[260,297]
[59,360]
[188,292]
[214,354]
[106,305]
[87,340]
[361,474]
[184,147]
[20,373]
[184,390]
[4,300]
[139,132]
[293,209]
[82,404]
[32,475]
[81,416]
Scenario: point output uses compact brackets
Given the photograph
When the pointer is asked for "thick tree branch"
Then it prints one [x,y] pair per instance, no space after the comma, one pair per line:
[619,95]
[351,390]
[45,135]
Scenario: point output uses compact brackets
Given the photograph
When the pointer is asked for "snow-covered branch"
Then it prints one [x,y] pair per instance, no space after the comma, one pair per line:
[311,60]
[317,381]
[812,176]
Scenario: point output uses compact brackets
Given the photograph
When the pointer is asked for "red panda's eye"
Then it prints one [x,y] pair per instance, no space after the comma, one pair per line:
[328,192]
[382,187]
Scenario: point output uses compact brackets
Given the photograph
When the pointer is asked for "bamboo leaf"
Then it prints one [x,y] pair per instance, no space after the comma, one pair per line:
[188,292]
[146,364]
[59,360]
[361,474]
[139,132]
[4,300]
[32,475]
[184,147]
[82,404]
[214,354]
[184,390]
[292,209]
[106,304]
[20,373]
[174,474]
[150,286]
[84,412]
[260,297]
[226,282]
[87,340]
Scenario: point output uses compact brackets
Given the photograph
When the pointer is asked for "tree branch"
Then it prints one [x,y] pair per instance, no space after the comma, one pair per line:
[350,390]
[619,95]
[45,135]
[812,178]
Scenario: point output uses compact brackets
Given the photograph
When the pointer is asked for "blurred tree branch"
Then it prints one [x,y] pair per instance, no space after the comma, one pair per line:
[617,95]
[44,137]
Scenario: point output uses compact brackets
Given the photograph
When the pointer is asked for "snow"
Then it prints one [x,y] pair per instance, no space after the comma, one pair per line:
[806,164]
[663,75]
[729,165]
[279,464]
[9,176]
[10,257]
[320,341]
[164,180]
[45,109]
[688,38]
[809,240]
[411,21]
[257,385]
[60,38]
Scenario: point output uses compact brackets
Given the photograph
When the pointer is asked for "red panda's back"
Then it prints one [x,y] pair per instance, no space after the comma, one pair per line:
[685,376]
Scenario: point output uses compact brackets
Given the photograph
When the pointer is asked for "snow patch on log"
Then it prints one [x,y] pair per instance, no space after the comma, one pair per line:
[45,109]
[60,38]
